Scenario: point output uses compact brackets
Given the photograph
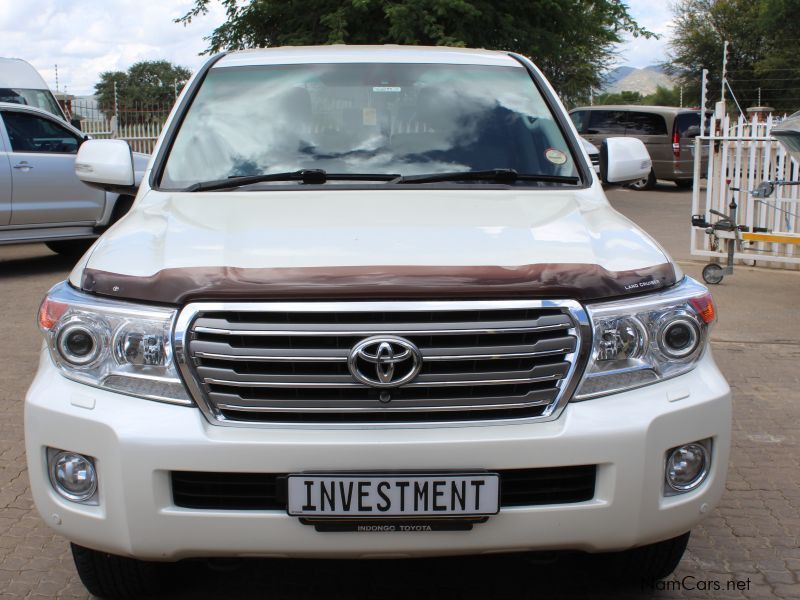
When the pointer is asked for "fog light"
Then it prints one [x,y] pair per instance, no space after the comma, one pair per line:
[687,466]
[73,475]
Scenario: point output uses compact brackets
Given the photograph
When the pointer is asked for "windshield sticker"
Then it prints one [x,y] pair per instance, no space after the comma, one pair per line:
[369,116]
[557,157]
[387,88]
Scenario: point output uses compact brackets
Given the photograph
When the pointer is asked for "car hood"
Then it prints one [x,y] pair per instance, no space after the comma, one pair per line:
[369,244]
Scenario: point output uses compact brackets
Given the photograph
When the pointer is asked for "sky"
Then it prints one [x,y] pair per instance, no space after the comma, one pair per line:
[86,38]
[655,16]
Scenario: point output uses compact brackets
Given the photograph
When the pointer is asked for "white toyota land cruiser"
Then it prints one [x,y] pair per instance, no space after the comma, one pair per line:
[372,302]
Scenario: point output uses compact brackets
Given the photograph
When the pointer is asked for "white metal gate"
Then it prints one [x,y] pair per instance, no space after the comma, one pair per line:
[141,136]
[742,155]
[139,126]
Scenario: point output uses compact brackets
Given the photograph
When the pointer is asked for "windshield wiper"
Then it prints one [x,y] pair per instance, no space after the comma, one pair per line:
[305,175]
[309,176]
[497,175]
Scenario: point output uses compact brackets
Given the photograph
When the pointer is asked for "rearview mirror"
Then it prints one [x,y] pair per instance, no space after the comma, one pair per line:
[624,160]
[106,164]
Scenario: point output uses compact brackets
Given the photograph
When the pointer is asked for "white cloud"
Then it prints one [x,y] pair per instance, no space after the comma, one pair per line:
[87,38]
[640,52]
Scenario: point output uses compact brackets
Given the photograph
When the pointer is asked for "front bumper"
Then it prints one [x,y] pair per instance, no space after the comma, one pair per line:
[137,443]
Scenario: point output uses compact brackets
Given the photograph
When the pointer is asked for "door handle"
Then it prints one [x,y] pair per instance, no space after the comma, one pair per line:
[23,166]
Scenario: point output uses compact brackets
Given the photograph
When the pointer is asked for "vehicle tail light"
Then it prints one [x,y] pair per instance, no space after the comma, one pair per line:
[676,144]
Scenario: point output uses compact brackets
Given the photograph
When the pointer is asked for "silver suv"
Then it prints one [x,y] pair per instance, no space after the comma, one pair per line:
[41,198]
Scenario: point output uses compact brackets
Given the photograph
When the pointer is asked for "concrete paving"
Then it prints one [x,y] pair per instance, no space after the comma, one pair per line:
[748,548]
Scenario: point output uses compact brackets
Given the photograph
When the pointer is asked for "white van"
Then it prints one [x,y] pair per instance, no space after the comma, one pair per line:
[20,83]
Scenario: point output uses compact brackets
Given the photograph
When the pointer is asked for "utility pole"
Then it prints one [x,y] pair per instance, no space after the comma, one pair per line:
[681,104]
[56,79]
[115,118]
[724,69]
[116,107]
[703,85]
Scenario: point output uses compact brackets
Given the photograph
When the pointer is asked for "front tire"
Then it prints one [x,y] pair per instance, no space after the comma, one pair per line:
[116,577]
[70,248]
[646,563]
[648,183]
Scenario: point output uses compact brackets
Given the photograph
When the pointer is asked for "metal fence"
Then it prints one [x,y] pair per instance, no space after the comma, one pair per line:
[741,155]
[140,126]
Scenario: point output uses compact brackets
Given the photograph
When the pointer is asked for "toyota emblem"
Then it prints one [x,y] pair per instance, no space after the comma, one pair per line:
[384,361]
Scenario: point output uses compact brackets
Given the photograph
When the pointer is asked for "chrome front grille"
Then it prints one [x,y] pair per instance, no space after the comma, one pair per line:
[266,363]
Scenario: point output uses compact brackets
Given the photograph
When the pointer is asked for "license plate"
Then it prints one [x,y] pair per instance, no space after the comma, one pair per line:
[398,495]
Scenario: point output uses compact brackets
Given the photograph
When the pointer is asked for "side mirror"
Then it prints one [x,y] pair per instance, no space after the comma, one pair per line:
[106,164]
[624,160]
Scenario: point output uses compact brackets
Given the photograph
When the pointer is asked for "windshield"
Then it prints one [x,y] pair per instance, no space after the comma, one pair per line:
[39,98]
[404,119]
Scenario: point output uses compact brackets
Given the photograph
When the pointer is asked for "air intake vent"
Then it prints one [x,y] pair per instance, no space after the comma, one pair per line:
[267,491]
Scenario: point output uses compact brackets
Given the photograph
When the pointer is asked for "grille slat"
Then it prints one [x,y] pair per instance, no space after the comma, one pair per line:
[235,403]
[213,376]
[366,399]
[266,491]
[264,365]
[225,351]
[398,330]
[260,327]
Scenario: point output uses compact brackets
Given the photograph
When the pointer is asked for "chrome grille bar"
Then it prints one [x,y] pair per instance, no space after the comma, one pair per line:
[345,384]
[286,363]
[382,331]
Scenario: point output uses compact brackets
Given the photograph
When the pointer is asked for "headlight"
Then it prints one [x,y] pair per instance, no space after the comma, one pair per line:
[646,339]
[112,344]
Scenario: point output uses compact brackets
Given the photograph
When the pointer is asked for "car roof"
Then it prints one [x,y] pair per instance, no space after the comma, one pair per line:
[639,108]
[18,73]
[284,55]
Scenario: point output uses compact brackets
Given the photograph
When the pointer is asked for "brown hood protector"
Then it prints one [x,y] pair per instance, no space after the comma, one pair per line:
[181,285]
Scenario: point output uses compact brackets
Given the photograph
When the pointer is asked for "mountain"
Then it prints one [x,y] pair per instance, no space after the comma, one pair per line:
[655,68]
[645,81]
[615,75]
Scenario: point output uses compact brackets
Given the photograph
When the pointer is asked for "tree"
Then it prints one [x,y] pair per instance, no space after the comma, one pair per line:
[661,97]
[572,41]
[625,97]
[146,86]
[664,97]
[777,70]
[762,36]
